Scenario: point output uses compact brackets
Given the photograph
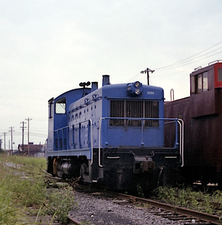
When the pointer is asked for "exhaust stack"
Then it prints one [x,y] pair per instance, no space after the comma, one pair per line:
[106,80]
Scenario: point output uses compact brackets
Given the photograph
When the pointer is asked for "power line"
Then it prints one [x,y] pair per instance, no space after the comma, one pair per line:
[193,57]
[191,62]
[38,135]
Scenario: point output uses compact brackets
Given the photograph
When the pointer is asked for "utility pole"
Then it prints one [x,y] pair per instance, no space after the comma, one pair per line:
[11,130]
[28,133]
[147,70]
[23,127]
[4,140]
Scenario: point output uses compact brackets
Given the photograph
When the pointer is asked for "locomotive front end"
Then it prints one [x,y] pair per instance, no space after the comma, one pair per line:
[131,135]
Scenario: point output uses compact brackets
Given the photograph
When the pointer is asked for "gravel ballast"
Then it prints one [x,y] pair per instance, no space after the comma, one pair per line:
[97,209]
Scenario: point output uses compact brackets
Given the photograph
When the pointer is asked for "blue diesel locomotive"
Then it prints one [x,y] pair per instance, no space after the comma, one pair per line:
[113,135]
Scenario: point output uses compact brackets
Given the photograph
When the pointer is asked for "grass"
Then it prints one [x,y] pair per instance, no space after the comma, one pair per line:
[24,194]
[187,197]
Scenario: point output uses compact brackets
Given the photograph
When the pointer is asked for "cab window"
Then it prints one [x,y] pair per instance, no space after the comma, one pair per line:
[60,106]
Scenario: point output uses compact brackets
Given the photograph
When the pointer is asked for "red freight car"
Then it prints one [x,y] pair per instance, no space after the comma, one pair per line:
[202,115]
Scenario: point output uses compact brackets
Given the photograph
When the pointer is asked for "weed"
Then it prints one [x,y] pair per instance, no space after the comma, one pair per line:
[187,197]
[140,191]
[59,203]
[23,186]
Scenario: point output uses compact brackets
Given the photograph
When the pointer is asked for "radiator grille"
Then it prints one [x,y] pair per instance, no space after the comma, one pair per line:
[134,109]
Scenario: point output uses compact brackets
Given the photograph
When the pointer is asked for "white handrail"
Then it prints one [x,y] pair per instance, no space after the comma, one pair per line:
[99,159]
[181,124]
[91,138]
[181,128]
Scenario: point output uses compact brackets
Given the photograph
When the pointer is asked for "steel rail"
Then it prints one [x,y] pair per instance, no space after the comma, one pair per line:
[73,221]
[213,219]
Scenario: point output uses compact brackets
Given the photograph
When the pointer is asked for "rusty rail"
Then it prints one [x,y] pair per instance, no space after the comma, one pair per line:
[213,219]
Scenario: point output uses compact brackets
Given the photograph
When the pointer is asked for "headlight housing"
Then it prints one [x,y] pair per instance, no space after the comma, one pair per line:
[134,89]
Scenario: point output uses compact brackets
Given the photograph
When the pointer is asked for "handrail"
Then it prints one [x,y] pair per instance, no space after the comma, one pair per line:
[176,120]
[181,124]
[91,137]
[99,158]
[91,142]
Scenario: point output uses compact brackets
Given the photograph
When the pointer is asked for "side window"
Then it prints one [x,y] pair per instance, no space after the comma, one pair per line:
[199,83]
[193,84]
[60,106]
[219,74]
[205,81]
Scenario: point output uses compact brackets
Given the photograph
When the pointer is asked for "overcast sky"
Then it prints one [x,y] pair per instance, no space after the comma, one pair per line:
[48,47]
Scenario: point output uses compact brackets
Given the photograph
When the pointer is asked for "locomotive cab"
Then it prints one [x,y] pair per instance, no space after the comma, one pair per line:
[57,123]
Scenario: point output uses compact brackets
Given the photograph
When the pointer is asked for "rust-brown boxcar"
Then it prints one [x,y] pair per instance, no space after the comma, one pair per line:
[202,115]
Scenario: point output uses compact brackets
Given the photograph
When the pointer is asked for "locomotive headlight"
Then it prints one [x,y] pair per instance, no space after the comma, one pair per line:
[134,89]
[129,88]
[137,91]
[137,84]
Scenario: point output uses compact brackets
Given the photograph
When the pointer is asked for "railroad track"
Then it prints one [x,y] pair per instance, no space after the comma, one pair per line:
[173,213]
[177,213]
